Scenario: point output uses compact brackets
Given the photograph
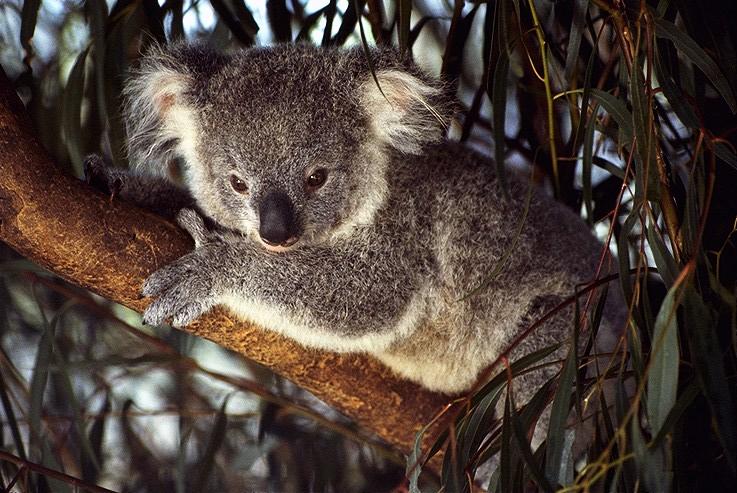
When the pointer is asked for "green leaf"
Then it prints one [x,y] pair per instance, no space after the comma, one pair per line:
[653,465]
[574,41]
[499,105]
[523,446]
[696,55]
[582,126]
[684,401]
[477,426]
[646,165]
[625,280]
[517,367]
[617,108]
[674,95]
[662,377]
[95,436]
[507,460]
[609,166]
[69,395]
[706,351]
[458,34]
[662,7]
[413,461]
[39,377]
[12,422]
[667,267]
[555,467]
[588,158]
[71,118]
[725,153]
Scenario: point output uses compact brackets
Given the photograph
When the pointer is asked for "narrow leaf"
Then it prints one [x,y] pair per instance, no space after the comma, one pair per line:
[588,159]
[646,164]
[706,352]
[662,378]
[499,105]
[555,468]
[667,267]
[526,452]
[696,55]
[213,444]
[673,94]
[413,461]
[725,153]
[71,118]
[617,108]
[574,41]
[12,422]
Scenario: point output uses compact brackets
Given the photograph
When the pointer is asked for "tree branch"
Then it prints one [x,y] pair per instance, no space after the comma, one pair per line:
[109,247]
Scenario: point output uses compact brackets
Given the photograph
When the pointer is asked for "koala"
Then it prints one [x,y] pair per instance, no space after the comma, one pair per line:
[327,205]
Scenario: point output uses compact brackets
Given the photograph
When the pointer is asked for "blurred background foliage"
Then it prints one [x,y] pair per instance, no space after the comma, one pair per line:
[623,110]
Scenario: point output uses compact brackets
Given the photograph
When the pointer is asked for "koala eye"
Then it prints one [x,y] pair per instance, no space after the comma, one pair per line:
[238,185]
[316,179]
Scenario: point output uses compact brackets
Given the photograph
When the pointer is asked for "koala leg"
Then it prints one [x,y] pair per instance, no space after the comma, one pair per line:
[153,193]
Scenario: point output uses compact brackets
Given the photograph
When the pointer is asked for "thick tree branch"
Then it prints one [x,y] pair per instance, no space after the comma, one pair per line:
[109,247]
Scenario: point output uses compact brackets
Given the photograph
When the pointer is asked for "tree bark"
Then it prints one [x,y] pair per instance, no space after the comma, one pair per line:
[110,247]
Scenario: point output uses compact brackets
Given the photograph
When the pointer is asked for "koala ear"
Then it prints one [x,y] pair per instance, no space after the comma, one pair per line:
[159,108]
[407,112]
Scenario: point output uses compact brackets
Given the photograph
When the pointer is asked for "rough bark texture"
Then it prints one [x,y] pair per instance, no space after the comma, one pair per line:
[109,247]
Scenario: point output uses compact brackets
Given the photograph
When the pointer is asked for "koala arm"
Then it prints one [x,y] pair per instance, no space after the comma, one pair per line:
[153,193]
[330,297]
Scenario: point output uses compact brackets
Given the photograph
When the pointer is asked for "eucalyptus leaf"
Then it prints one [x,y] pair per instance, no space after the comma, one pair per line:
[696,55]
[617,108]
[662,377]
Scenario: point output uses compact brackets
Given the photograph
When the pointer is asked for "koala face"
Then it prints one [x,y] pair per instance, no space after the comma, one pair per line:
[286,161]
[281,194]
[289,145]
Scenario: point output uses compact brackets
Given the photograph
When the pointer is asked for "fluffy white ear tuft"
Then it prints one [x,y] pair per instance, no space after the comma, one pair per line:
[406,113]
[159,122]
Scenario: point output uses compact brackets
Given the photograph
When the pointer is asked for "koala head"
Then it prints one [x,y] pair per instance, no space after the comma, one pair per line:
[289,145]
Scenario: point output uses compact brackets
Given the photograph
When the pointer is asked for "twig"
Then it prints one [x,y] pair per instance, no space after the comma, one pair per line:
[60,476]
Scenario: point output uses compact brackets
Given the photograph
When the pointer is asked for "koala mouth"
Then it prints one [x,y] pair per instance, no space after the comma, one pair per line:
[279,247]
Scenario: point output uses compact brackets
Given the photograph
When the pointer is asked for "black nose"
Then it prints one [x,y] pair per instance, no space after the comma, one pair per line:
[278,224]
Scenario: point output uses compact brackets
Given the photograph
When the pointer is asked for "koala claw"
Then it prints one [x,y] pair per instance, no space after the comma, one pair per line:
[182,292]
[158,282]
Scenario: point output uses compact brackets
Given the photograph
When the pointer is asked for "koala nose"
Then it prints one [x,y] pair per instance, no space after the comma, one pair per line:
[278,224]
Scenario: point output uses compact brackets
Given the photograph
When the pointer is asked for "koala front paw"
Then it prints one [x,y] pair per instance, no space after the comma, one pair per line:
[183,291]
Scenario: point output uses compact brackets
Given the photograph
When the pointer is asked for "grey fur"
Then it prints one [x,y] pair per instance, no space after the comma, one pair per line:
[405,227]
